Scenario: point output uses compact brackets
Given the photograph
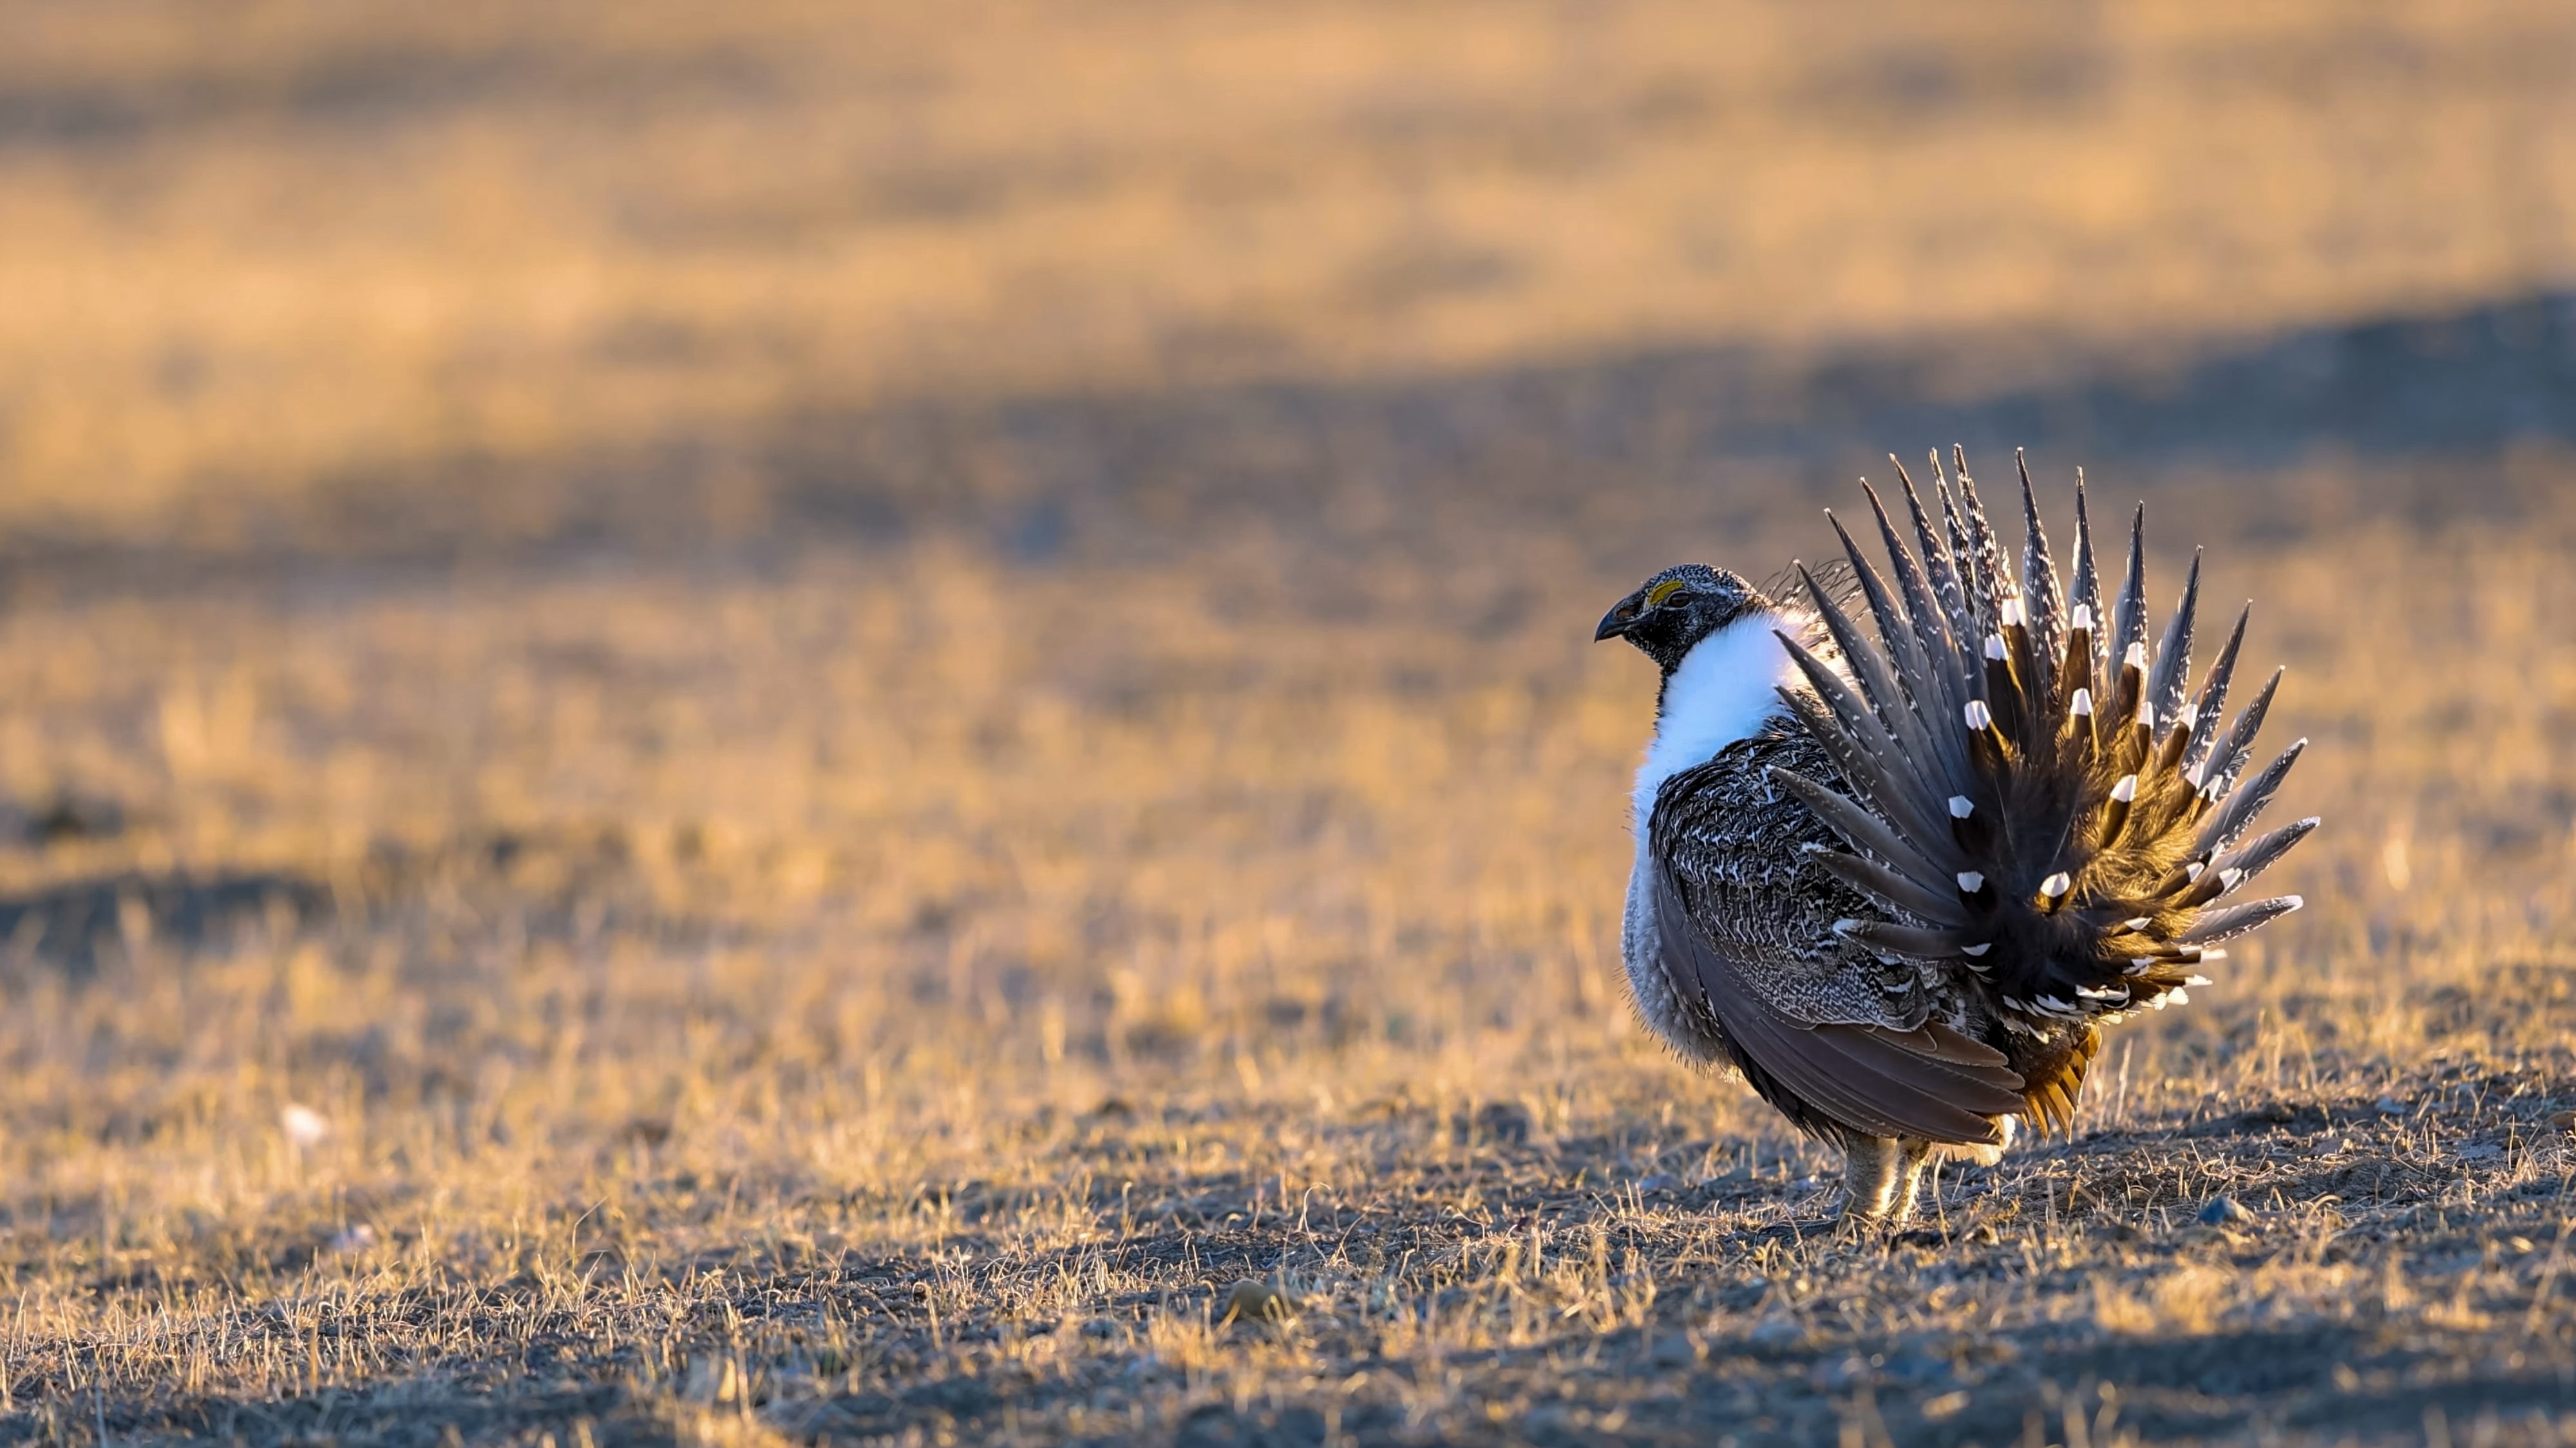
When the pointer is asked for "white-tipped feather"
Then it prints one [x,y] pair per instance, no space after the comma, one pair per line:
[1961,807]
[2080,616]
[1977,714]
[2081,706]
[2135,657]
[1970,882]
[2126,790]
[2056,885]
[1995,647]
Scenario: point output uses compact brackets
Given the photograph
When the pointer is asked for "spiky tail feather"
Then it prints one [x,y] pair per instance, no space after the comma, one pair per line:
[2035,798]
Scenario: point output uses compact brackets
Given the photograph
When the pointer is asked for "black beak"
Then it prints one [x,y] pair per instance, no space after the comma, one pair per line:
[1622,617]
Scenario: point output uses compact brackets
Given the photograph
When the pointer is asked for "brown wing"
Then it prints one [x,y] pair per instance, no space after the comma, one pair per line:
[1930,1082]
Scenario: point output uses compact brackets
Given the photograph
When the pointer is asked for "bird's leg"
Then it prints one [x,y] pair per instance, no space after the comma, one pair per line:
[1882,1174]
[1871,1168]
[1913,1154]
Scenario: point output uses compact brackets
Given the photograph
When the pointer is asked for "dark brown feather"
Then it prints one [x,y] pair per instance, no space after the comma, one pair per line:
[1838,1080]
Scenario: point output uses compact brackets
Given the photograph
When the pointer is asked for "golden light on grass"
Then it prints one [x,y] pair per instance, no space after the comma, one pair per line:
[1315,956]
[516,916]
[355,244]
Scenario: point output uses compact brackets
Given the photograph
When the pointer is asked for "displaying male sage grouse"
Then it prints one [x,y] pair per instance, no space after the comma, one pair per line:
[1900,883]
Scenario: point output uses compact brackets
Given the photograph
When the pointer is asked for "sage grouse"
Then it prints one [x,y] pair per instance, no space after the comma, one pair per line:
[1900,883]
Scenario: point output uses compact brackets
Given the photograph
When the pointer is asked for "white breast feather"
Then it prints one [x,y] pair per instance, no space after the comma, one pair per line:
[1725,688]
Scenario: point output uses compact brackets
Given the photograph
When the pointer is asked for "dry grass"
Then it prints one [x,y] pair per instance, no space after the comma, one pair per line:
[288,248]
[834,964]
[902,998]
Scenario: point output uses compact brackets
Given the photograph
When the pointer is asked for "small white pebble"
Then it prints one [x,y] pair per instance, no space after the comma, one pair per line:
[304,1126]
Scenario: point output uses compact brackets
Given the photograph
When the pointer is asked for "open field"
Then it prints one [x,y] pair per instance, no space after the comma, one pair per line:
[792,727]
[265,260]
[899,996]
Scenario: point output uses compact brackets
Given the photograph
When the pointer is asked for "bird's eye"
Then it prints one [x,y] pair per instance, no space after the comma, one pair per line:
[1680,598]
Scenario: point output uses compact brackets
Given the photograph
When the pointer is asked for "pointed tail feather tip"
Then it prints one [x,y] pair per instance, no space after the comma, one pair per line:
[2121,822]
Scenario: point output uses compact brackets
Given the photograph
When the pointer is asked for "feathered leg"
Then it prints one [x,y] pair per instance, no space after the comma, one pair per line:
[1884,1174]
[1913,1154]
[1879,1179]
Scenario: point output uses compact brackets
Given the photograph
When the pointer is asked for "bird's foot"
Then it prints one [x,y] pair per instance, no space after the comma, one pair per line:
[1858,1229]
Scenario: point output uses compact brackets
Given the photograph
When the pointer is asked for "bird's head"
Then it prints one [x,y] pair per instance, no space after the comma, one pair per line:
[1677,608]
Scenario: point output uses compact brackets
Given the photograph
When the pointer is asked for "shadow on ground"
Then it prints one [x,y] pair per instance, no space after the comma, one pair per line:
[2413,412]
[68,923]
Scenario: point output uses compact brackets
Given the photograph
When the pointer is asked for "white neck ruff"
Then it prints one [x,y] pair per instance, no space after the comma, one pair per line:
[1727,685]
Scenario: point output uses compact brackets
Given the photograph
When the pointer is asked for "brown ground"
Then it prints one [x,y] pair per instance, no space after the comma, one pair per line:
[798,726]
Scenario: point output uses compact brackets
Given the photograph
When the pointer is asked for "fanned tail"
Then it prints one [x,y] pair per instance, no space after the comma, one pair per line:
[2031,791]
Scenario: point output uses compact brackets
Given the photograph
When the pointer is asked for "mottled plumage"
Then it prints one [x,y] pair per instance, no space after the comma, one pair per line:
[1899,881]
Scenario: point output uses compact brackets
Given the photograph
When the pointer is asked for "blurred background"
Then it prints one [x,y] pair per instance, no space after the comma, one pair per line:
[478,280]
[782,577]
